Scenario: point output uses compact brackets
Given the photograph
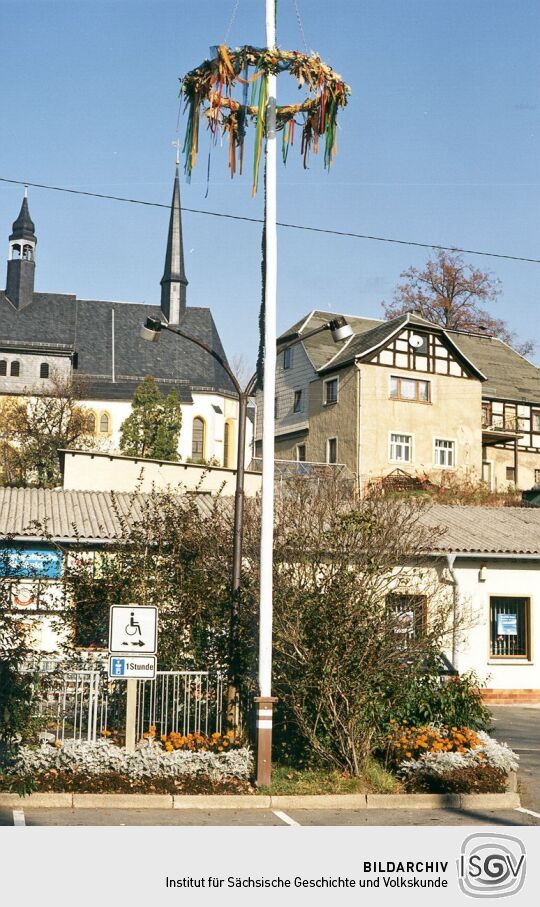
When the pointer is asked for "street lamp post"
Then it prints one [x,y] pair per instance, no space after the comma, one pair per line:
[151,330]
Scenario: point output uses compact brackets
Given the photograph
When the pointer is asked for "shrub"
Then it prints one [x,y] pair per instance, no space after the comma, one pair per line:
[454,702]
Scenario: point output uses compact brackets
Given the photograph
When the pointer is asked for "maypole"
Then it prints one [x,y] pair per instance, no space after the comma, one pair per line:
[265,701]
[208,91]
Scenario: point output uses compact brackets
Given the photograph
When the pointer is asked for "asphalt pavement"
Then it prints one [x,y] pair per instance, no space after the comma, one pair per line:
[520,728]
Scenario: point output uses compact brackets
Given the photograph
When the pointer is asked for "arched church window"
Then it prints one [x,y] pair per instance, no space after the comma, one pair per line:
[3,367]
[197,440]
[44,370]
[27,253]
[105,424]
[227,446]
[16,251]
[91,423]
[15,369]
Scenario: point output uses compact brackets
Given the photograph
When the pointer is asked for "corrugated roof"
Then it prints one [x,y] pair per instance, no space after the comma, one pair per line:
[486,530]
[77,515]
[97,516]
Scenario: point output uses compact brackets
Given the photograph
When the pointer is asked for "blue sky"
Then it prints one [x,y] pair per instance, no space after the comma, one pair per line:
[440,144]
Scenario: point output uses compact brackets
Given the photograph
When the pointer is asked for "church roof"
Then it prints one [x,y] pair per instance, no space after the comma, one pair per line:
[88,327]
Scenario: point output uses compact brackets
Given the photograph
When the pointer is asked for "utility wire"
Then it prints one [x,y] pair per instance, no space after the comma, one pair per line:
[259,220]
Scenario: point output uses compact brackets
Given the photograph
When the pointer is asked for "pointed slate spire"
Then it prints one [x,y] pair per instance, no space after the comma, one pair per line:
[22,254]
[174,282]
[23,227]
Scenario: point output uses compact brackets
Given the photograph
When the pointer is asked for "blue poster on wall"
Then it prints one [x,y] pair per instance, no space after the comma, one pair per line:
[507,625]
[37,561]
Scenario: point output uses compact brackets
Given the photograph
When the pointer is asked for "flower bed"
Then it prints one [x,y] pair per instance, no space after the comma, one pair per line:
[103,764]
[450,760]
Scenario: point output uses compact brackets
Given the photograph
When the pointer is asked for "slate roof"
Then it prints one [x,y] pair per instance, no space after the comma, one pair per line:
[86,326]
[77,515]
[90,516]
[509,376]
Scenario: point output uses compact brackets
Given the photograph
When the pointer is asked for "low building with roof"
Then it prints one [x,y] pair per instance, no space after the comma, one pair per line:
[407,395]
[485,560]
[46,334]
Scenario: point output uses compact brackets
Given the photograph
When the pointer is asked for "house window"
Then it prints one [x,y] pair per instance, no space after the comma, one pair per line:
[3,367]
[408,613]
[445,452]
[537,476]
[44,370]
[401,448]
[486,415]
[287,358]
[510,474]
[91,423]
[275,407]
[331,391]
[301,453]
[197,441]
[331,450]
[536,420]
[105,423]
[509,627]
[409,389]
[15,369]
[298,404]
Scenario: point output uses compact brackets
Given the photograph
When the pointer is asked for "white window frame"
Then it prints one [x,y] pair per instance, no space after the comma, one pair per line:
[451,441]
[287,359]
[406,434]
[334,438]
[328,381]
[297,458]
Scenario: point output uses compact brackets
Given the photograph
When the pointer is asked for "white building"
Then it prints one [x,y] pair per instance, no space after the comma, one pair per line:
[42,334]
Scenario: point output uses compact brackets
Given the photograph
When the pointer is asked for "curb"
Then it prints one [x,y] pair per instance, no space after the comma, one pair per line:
[508,800]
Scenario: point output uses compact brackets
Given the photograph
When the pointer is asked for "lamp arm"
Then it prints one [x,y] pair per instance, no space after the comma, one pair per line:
[208,349]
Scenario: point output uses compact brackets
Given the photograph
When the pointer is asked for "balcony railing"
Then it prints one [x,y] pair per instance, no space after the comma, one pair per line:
[495,422]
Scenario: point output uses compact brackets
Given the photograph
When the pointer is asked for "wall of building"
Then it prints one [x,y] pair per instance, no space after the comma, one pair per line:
[91,471]
[288,380]
[502,459]
[453,414]
[29,366]
[509,578]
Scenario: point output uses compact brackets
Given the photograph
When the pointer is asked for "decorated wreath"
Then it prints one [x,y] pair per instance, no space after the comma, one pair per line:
[208,89]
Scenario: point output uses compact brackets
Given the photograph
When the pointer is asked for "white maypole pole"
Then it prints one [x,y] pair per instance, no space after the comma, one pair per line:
[265,700]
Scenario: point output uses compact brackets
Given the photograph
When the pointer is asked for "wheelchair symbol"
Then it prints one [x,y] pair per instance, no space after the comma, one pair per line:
[133,629]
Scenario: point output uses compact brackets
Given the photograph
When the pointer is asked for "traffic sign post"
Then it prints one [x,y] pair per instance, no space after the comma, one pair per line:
[133,632]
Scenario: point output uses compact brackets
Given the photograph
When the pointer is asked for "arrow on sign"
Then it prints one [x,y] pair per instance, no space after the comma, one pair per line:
[139,642]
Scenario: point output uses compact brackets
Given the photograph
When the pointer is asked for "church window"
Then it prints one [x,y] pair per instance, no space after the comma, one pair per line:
[3,367]
[105,424]
[16,251]
[15,369]
[227,446]
[27,253]
[44,370]
[91,423]
[197,441]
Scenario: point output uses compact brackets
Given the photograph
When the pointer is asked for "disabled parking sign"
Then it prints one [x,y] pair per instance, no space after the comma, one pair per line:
[133,630]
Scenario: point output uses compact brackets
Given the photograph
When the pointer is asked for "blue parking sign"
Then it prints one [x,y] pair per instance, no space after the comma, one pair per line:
[118,667]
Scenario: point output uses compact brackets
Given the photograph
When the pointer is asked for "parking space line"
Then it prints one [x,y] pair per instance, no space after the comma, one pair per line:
[530,812]
[18,817]
[284,817]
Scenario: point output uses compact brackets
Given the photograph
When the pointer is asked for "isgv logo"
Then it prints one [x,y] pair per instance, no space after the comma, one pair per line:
[491,866]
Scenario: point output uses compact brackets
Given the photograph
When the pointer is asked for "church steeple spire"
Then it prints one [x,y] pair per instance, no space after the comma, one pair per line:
[174,282]
[21,264]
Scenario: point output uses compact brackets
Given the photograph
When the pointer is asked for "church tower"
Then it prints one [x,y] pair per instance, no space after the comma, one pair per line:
[21,260]
[174,281]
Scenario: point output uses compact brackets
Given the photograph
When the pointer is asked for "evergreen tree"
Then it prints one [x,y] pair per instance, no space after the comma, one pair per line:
[153,427]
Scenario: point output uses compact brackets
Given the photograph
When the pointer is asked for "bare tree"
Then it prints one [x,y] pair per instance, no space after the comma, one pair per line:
[451,293]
